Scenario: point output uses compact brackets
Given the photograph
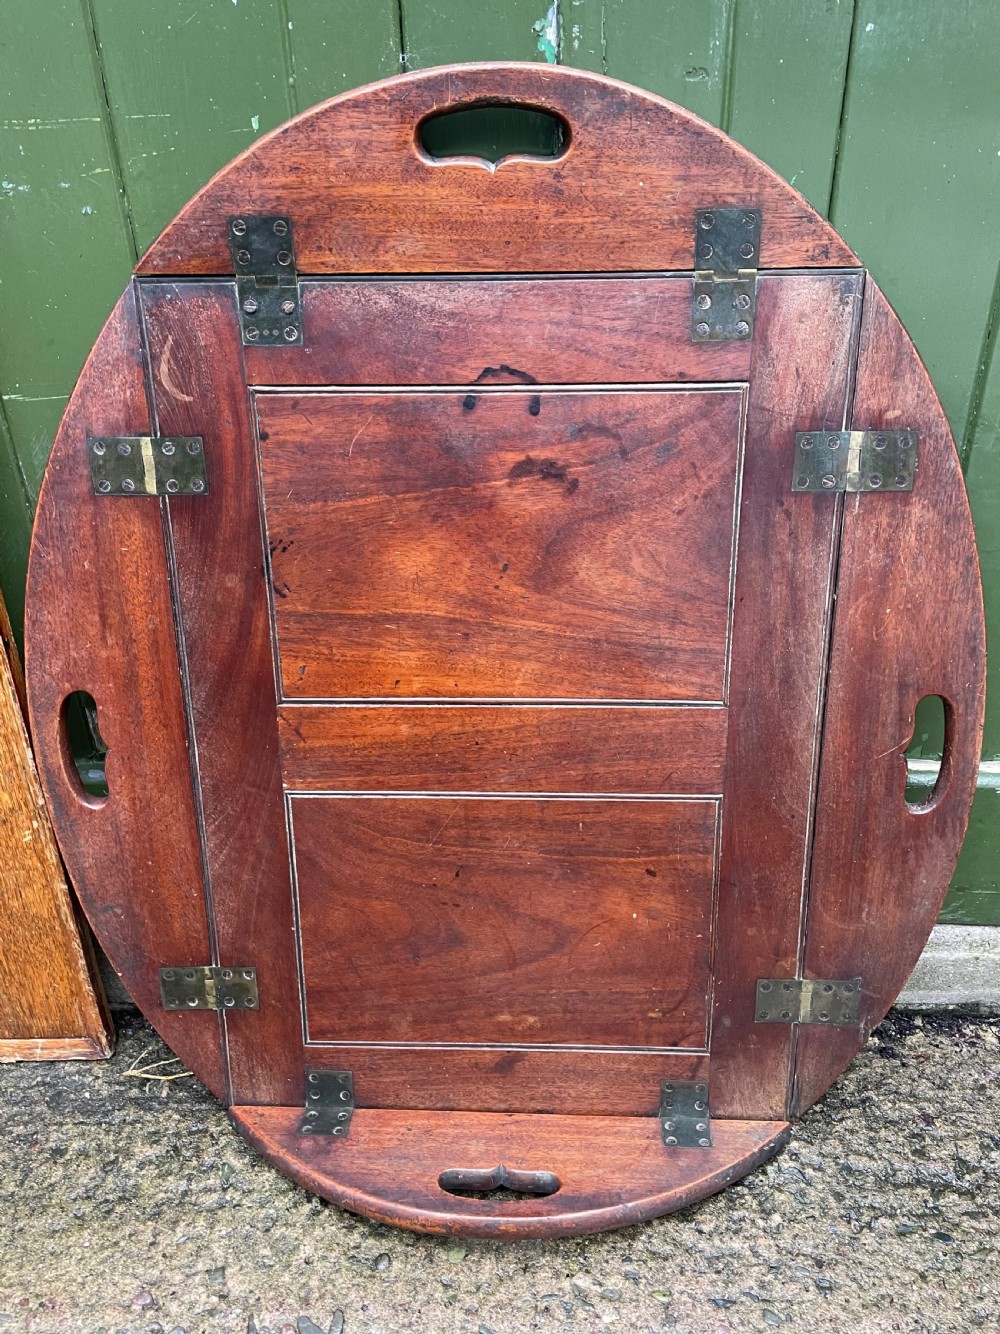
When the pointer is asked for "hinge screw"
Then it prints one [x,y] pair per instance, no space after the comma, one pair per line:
[243,256]
[746,250]
[104,485]
[829,481]
[742,301]
[706,251]
[284,257]
[707,220]
[194,447]
[124,449]
[287,307]
[172,485]
[742,327]
[169,447]
[128,484]
[291,334]
[701,329]
[197,484]
[875,479]
[703,301]
[253,333]
[281,227]
[239,227]
[749,219]
[250,306]
[100,447]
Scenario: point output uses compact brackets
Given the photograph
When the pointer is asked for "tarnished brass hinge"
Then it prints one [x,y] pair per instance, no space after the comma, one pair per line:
[685,1122]
[147,465]
[267,286]
[808,1000]
[855,460]
[329,1103]
[208,988]
[727,251]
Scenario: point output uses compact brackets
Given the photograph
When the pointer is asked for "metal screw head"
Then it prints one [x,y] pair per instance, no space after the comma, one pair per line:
[880,442]
[833,441]
[168,447]
[705,1143]
[706,251]
[701,329]
[238,227]
[749,219]
[339,1130]
[762,1015]
[314,1078]
[250,305]
[243,257]
[806,442]
[229,1002]
[100,447]
[305,1130]
[250,1003]
[280,227]
[291,333]
[823,1016]
[670,1139]
[173,485]
[829,481]
[707,221]
[128,484]
[742,301]
[168,974]
[703,301]
[875,479]
[124,448]
[248,974]
[284,257]
[287,307]
[252,333]
[194,446]
[193,1002]
[742,328]
[765,986]
[104,485]
[904,442]
[901,479]
[827,986]
[786,1014]
[668,1125]
[197,485]
[746,250]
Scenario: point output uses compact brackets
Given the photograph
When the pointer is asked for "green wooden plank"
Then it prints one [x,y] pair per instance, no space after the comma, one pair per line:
[15,529]
[189,87]
[65,250]
[982,477]
[341,44]
[918,183]
[676,48]
[438,33]
[974,897]
[787,88]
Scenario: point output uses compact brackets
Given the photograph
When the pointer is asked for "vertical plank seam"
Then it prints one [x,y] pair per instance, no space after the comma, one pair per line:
[108,125]
[729,76]
[984,365]
[8,437]
[288,58]
[404,57]
[194,764]
[832,196]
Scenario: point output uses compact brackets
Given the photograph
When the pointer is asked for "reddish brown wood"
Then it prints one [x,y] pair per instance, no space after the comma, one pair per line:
[485,920]
[365,200]
[198,389]
[99,619]
[403,331]
[909,623]
[800,377]
[612,1171]
[564,1081]
[511,544]
[488,748]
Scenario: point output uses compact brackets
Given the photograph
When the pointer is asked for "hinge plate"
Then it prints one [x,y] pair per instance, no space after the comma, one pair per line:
[727,249]
[809,1000]
[685,1121]
[147,465]
[329,1103]
[855,460]
[209,988]
[267,286]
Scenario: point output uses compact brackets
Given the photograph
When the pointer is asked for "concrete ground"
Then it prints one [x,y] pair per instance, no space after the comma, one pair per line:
[127,1203]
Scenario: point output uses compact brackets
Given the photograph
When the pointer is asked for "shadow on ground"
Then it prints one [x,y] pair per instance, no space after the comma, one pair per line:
[128,1204]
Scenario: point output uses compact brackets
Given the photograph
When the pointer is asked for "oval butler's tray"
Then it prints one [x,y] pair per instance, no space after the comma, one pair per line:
[506,588]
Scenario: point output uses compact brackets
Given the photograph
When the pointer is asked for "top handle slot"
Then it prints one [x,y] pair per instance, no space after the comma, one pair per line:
[488,134]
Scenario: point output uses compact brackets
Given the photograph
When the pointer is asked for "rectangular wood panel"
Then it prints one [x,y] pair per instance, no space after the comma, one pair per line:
[505,921]
[553,330]
[507,544]
[497,749]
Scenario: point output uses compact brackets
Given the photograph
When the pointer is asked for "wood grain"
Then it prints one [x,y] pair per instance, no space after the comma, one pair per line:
[364,199]
[613,1171]
[783,589]
[99,619]
[482,748]
[553,545]
[557,330]
[525,920]
[198,388]
[909,623]
[49,1000]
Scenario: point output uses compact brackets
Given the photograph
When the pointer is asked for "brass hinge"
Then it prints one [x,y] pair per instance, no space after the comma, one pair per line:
[808,1000]
[209,988]
[267,285]
[727,250]
[855,460]
[329,1103]
[685,1121]
[147,465]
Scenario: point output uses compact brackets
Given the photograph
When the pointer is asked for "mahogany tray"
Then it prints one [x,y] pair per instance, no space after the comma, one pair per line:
[506,588]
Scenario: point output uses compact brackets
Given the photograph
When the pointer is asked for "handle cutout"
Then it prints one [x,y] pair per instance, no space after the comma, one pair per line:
[928,756]
[83,747]
[497,1183]
[492,133]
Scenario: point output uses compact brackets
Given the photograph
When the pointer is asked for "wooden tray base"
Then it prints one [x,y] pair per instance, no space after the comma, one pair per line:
[613,1171]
